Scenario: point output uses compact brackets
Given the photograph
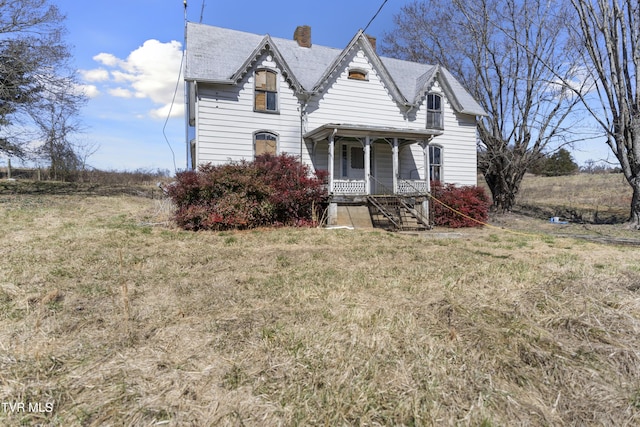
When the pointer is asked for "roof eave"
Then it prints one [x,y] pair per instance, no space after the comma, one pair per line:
[354,130]
[210,81]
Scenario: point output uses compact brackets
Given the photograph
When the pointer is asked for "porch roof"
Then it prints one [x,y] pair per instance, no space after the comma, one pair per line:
[351,130]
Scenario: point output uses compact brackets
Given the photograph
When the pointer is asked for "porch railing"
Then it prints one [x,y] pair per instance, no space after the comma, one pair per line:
[342,186]
[405,186]
[412,186]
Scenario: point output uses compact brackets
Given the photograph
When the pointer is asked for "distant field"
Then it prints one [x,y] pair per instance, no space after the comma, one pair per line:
[589,197]
[111,316]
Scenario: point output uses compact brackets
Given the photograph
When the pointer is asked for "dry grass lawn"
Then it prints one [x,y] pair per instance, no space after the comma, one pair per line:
[112,318]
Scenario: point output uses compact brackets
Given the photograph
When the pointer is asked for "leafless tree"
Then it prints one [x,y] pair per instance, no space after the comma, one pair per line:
[499,50]
[607,40]
[34,72]
[56,119]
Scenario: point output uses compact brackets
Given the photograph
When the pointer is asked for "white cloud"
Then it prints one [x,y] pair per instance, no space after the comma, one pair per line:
[120,77]
[95,75]
[149,72]
[90,91]
[121,92]
[107,59]
[161,113]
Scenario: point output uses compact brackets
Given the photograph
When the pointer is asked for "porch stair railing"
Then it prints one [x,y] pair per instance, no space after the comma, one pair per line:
[395,212]
[383,214]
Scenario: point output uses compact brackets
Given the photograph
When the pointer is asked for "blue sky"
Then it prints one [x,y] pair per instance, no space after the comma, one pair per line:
[128,53]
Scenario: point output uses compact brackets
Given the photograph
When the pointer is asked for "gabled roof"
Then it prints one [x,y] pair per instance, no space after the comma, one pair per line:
[360,40]
[220,55]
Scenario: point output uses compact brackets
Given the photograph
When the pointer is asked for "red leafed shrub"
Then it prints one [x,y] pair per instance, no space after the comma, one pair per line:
[272,190]
[471,201]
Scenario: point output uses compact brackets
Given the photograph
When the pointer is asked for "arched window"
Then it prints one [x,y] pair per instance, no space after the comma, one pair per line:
[435,163]
[266,91]
[434,111]
[265,143]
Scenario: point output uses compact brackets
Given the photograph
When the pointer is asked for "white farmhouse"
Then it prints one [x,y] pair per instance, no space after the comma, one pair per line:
[377,125]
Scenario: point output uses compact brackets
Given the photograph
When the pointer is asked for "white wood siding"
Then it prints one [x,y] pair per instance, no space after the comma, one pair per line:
[458,142]
[411,162]
[359,102]
[226,121]
[382,167]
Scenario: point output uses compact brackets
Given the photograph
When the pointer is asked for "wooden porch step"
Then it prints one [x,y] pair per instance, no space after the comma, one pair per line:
[395,213]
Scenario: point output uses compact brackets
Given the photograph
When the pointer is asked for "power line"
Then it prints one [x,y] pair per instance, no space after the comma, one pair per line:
[374,16]
[173,100]
[175,92]
[201,11]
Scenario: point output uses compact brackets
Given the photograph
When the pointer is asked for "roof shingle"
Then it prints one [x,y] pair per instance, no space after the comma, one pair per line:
[217,54]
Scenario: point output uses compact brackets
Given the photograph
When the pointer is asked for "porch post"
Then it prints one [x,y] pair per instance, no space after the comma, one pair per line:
[427,177]
[367,165]
[330,160]
[394,155]
[427,163]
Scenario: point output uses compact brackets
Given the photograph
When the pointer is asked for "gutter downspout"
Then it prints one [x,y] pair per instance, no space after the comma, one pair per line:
[330,166]
[332,212]
[303,112]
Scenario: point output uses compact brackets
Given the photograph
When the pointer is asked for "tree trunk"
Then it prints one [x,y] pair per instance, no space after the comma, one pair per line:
[503,192]
[634,216]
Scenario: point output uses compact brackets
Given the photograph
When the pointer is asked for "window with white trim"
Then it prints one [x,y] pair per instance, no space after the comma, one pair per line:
[265,143]
[435,163]
[266,91]
[434,111]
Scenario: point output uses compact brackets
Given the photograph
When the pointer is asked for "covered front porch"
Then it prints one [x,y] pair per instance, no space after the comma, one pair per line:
[385,170]
[365,160]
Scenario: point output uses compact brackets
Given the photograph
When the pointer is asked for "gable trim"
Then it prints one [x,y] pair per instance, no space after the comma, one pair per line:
[438,74]
[267,45]
[363,42]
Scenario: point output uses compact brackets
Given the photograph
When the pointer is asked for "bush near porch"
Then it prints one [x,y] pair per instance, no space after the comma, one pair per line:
[467,206]
[269,191]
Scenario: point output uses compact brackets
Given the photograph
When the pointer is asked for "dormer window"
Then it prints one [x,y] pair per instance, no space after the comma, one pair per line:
[266,91]
[434,111]
[355,74]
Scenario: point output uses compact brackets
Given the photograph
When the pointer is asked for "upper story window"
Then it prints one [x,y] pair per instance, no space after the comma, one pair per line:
[265,143]
[266,91]
[434,111]
[356,74]
[435,163]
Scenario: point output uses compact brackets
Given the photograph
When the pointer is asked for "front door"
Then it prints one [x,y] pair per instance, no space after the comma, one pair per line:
[382,168]
[352,161]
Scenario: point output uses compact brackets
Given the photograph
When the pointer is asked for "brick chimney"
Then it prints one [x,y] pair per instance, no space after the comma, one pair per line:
[303,35]
[372,41]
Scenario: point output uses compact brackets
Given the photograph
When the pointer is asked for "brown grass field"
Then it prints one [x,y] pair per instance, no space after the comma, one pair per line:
[109,315]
